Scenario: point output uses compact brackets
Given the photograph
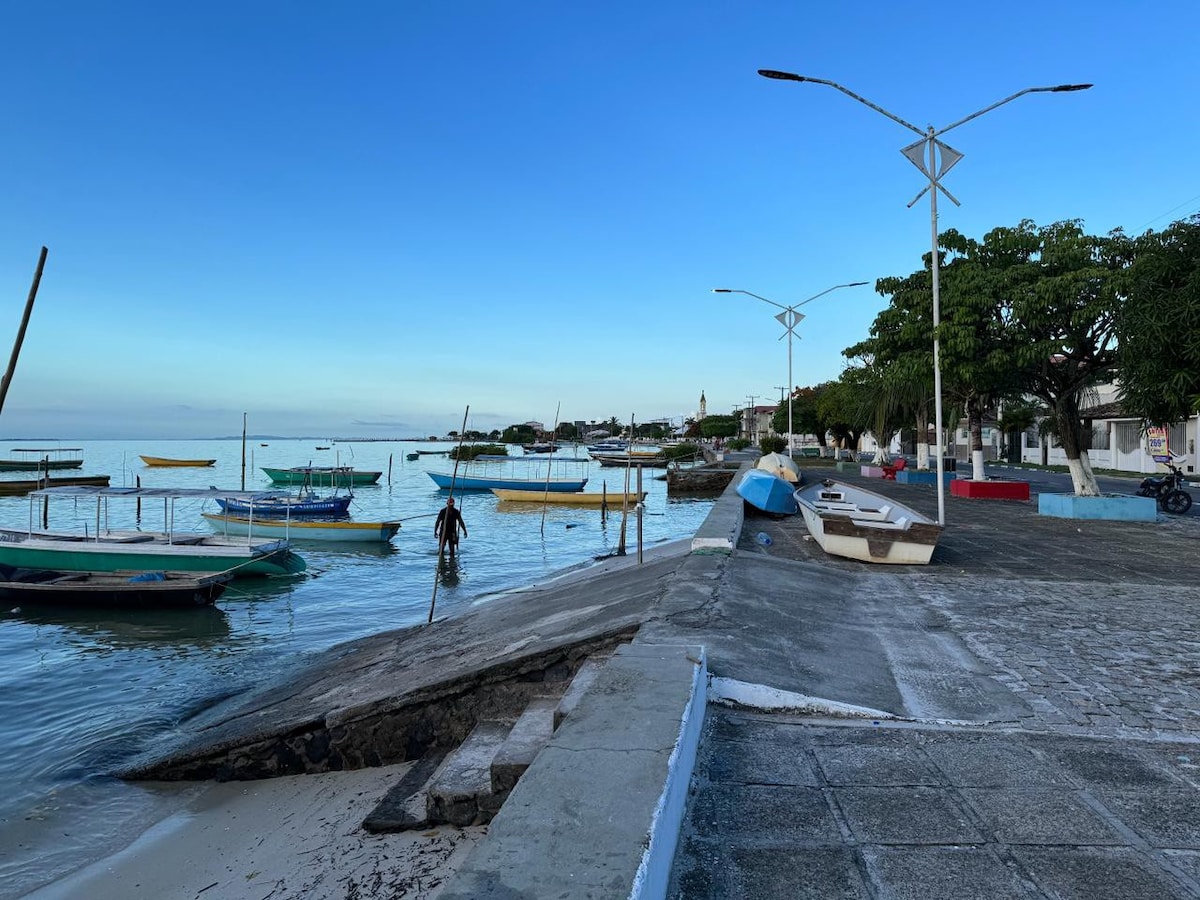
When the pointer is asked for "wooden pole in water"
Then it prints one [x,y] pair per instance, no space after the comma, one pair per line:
[243,451]
[546,492]
[625,497]
[639,514]
[604,501]
[442,540]
[389,468]
[16,350]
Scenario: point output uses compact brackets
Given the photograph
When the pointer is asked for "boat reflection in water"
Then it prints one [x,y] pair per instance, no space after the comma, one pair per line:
[200,627]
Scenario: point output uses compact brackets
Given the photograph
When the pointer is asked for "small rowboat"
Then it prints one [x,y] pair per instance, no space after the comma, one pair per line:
[767,492]
[573,499]
[860,524]
[109,590]
[271,506]
[165,461]
[323,476]
[303,529]
[480,483]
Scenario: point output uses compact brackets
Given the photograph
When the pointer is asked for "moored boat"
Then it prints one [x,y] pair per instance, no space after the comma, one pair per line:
[164,462]
[323,476]
[767,492]
[42,459]
[303,529]
[860,524]
[278,506]
[17,487]
[111,550]
[481,483]
[109,590]
[578,498]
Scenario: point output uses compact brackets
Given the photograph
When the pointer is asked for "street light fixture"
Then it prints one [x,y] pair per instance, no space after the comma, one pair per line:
[934,159]
[789,319]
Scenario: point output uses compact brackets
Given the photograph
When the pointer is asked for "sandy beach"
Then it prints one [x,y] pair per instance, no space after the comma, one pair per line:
[281,838]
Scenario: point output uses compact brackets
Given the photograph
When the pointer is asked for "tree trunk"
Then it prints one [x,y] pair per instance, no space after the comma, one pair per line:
[975,431]
[923,438]
[1071,434]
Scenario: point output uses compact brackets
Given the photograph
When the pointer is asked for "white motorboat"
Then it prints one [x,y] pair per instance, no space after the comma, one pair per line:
[860,524]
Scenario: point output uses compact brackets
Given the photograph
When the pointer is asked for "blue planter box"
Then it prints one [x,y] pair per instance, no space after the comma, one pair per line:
[918,476]
[1118,507]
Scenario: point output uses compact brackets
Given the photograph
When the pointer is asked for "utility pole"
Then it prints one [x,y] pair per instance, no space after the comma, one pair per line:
[750,417]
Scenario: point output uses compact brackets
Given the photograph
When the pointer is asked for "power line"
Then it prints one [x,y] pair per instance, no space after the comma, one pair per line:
[1169,211]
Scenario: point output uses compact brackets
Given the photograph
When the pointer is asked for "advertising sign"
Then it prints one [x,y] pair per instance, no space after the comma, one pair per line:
[1156,441]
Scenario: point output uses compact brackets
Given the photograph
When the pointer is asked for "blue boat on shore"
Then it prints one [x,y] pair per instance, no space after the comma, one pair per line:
[478,483]
[767,492]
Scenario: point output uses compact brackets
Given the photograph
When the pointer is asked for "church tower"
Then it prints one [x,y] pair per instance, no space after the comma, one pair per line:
[703,404]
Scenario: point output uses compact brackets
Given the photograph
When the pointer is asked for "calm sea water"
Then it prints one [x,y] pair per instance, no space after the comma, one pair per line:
[81,692]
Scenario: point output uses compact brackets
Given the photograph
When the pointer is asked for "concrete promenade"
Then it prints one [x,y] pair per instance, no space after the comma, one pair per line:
[1018,719]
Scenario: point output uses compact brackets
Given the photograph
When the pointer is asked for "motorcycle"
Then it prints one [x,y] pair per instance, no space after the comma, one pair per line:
[1168,490]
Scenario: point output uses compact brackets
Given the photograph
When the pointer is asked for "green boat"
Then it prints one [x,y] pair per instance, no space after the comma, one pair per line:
[323,476]
[42,459]
[106,550]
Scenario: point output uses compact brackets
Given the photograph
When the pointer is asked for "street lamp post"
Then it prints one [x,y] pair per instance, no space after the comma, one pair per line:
[789,319]
[934,159]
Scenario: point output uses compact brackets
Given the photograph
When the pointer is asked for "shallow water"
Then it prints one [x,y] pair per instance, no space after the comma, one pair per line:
[81,692]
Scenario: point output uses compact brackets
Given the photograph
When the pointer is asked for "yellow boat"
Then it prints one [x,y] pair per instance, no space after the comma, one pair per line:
[566,498]
[164,461]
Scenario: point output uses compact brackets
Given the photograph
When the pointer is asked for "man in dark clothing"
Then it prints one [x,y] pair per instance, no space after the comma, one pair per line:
[445,529]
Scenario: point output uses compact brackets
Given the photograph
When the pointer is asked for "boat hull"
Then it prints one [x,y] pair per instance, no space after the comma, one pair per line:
[26,465]
[339,532]
[323,477]
[567,499]
[105,590]
[164,462]
[767,492]
[476,483]
[865,526]
[16,488]
[287,507]
[205,553]
[783,466]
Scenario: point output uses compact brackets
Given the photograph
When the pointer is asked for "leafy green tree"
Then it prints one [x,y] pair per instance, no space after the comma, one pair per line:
[1062,288]
[720,426]
[805,416]
[900,346]
[844,407]
[1159,326]
[567,431]
[1016,417]
[518,434]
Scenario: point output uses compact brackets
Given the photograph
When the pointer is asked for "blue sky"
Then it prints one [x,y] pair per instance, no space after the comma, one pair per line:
[355,219]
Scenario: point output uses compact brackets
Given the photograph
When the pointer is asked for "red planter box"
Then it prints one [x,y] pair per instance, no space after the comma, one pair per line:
[990,490]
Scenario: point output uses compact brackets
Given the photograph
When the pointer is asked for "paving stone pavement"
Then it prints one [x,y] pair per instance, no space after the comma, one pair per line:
[793,808]
[1092,793]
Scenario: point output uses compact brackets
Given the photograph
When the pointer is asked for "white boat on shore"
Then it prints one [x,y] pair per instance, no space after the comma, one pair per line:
[860,524]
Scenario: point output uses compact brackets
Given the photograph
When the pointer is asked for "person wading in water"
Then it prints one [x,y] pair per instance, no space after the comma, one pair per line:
[445,529]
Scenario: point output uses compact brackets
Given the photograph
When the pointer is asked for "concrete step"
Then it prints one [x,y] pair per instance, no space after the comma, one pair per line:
[403,807]
[528,736]
[460,791]
[584,678]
